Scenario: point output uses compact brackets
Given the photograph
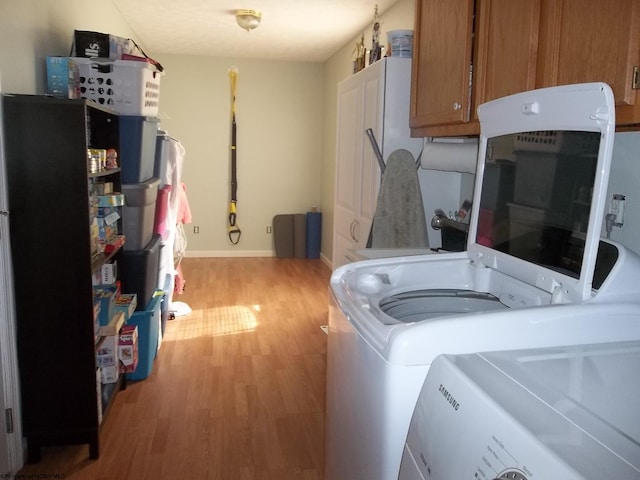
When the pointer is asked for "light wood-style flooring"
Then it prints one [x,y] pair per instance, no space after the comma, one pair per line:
[237,391]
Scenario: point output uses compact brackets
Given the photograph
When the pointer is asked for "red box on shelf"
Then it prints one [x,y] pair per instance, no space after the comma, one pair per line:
[128,348]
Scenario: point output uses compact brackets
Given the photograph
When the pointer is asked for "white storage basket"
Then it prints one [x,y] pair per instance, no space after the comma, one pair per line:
[129,87]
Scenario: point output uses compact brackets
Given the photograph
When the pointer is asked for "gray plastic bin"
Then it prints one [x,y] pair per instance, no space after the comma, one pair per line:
[138,213]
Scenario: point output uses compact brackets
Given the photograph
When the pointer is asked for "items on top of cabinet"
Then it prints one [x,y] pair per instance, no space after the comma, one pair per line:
[129,87]
[109,70]
[401,43]
[90,44]
[106,46]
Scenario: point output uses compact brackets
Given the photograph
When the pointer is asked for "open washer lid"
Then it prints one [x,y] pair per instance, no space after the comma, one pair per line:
[541,183]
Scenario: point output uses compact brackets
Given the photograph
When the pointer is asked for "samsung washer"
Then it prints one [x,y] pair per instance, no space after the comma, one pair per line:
[536,274]
[566,412]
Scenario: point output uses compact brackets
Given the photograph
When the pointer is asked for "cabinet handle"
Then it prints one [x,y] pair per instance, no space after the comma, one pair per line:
[352,230]
[355,231]
[456,106]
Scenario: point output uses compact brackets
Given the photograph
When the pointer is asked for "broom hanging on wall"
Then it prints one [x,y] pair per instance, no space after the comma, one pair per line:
[233,230]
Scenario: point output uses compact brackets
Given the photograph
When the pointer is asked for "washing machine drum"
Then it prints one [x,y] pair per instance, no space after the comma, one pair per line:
[417,305]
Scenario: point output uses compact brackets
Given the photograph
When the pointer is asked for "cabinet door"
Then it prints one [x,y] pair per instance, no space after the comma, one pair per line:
[372,117]
[440,87]
[357,171]
[506,49]
[589,41]
[348,165]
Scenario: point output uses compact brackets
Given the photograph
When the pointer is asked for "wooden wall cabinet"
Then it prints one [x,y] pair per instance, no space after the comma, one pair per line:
[593,41]
[440,77]
[53,263]
[501,47]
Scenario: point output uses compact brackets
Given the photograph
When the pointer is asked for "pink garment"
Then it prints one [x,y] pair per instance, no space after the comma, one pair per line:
[183,210]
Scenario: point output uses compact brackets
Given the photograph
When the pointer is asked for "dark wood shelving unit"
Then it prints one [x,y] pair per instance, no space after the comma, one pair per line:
[48,177]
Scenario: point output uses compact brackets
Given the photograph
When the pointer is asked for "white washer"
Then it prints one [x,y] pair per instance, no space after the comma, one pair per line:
[569,413]
[536,274]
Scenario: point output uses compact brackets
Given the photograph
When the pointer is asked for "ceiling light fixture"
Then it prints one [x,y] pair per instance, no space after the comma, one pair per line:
[248,19]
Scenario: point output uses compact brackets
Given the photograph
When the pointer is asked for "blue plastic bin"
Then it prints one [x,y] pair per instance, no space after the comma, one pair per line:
[148,323]
[137,147]
[160,163]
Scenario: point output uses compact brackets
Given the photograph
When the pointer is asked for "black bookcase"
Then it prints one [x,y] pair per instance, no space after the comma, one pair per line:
[53,261]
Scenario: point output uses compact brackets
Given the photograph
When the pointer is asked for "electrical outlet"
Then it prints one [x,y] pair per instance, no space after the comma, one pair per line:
[268,228]
[196,229]
[617,209]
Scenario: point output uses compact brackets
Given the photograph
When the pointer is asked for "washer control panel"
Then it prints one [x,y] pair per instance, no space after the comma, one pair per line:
[523,415]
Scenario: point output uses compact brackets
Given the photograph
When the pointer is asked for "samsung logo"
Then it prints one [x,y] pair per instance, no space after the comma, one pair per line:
[450,398]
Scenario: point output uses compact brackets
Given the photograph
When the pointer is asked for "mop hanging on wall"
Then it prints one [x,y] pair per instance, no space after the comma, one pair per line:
[233,230]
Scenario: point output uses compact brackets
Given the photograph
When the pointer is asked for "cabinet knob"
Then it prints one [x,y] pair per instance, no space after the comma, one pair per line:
[456,106]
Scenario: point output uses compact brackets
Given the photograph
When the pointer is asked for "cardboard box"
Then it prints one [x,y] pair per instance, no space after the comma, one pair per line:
[99,394]
[109,275]
[126,303]
[96,317]
[113,328]
[128,348]
[107,351]
[106,297]
[113,199]
[109,374]
[63,77]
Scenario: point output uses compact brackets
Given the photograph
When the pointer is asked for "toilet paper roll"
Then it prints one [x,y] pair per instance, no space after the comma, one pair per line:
[450,155]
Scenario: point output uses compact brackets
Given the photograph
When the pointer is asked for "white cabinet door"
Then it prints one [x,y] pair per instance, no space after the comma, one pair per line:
[375,98]
[372,117]
[357,171]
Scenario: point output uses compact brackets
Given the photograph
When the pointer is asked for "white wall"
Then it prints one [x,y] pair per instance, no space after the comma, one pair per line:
[279,114]
[30,30]
[625,179]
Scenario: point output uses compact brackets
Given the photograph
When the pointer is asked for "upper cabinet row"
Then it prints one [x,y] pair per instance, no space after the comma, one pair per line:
[467,52]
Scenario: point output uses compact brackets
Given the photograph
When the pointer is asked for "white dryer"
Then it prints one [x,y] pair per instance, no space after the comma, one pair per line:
[566,412]
[536,274]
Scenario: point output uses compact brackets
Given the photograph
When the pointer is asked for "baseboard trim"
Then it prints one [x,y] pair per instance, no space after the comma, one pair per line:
[228,253]
[240,254]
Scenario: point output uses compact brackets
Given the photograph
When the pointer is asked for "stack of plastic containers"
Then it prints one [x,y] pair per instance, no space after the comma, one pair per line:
[130,85]
[141,252]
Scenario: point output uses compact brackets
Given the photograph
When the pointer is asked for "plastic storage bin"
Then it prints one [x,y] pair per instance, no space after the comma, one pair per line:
[129,87]
[401,42]
[160,163]
[160,225]
[138,213]
[139,271]
[148,323]
[137,148]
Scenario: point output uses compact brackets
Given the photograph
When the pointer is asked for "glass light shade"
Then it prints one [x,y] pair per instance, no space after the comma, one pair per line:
[248,19]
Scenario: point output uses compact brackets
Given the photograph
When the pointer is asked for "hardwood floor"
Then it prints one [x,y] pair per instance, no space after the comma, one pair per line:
[238,388]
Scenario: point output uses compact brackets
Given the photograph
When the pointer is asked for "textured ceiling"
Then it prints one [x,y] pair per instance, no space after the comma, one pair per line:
[294,30]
